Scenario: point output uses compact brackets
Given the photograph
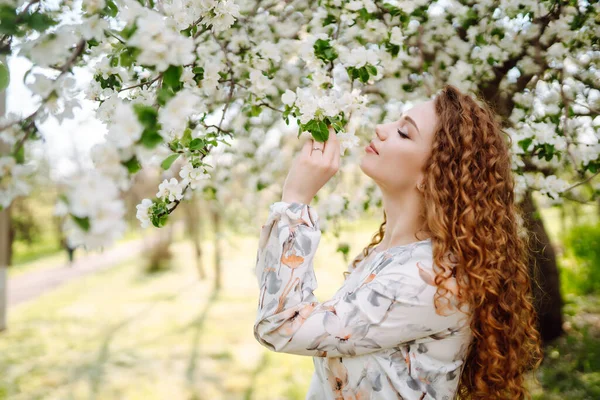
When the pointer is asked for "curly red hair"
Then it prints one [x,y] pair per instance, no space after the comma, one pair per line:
[470,213]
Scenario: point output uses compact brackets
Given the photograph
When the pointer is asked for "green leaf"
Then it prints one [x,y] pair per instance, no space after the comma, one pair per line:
[255,110]
[198,74]
[83,223]
[186,32]
[471,18]
[260,186]
[343,248]
[330,19]
[167,162]
[320,131]
[20,155]
[164,94]
[39,22]
[133,165]
[364,75]
[172,76]
[4,76]
[128,31]
[159,220]
[8,16]
[372,70]
[151,138]
[364,14]
[394,11]
[92,42]
[128,56]
[187,137]
[524,144]
[147,115]
[174,145]
[111,82]
[196,144]
[158,213]
[324,51]
[111,8]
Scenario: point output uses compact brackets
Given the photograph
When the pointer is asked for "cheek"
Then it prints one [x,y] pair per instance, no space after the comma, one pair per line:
[396,167]
[403,161]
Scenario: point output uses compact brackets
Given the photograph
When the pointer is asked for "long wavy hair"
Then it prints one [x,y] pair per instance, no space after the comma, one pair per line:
[471,215]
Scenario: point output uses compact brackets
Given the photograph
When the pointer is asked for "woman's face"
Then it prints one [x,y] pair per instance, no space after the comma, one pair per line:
[404,146]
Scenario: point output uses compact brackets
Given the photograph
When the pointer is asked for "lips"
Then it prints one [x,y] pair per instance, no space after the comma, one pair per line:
[373,147]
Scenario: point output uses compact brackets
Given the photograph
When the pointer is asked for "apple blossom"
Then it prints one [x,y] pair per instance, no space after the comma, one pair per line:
[176,79]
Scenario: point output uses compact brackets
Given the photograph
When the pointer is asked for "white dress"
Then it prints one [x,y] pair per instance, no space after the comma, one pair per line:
[378,337]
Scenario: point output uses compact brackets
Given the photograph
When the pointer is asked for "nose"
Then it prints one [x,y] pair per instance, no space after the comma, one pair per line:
[378,130]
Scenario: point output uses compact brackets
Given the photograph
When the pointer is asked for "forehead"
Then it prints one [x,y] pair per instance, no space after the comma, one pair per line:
[425,117]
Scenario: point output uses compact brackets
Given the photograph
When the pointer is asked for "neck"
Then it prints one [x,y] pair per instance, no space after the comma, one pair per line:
[402,210]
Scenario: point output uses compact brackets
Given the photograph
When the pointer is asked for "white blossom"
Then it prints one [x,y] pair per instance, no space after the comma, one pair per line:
[125,128]
[92,6]
[288,97]
[143,212]
[174,116]
[170,189]
[194,176]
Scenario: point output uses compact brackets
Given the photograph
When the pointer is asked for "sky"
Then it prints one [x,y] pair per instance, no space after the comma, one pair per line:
[64,139]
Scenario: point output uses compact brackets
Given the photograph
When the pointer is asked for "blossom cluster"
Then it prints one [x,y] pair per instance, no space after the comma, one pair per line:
[175,78]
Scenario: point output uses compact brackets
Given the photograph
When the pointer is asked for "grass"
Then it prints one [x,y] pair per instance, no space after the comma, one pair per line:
[122,334]
[571,368]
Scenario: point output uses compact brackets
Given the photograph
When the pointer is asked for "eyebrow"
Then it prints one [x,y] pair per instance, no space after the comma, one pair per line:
[412,121]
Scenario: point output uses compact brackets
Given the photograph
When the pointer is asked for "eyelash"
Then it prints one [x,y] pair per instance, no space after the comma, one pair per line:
[404,135]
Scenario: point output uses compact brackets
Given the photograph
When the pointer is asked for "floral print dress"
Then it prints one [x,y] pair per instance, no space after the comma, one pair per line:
[378,337]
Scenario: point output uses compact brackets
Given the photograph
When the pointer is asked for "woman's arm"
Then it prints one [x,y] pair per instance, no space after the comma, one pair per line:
[391,307]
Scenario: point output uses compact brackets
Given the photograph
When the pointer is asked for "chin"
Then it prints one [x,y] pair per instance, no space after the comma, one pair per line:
[365,168]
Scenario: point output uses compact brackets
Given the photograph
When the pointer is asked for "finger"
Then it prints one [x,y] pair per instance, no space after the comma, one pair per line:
[319,145]
[306,149]
[334,145]
[330,144]
[337,150]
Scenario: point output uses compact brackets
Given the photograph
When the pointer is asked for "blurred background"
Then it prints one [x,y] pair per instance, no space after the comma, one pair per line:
[144,319]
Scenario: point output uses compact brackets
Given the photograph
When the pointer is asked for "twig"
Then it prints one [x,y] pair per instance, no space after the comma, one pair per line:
[113,35]
[269,106]
[582,182]
[143,83]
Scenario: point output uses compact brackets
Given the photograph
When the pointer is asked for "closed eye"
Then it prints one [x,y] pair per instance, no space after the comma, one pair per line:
[404,135]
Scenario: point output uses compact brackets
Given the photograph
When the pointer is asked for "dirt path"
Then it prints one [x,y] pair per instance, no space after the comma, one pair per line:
[32,284]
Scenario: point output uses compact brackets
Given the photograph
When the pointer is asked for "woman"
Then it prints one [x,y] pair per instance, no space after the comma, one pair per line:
[441,308]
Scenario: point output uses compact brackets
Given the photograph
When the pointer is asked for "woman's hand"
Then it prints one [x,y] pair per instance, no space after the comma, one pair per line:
[312,169]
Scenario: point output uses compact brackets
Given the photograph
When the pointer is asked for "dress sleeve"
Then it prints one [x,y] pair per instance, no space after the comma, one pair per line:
[393,305]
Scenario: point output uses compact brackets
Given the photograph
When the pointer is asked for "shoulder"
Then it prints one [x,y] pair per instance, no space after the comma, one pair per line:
[406,260]
[404,271]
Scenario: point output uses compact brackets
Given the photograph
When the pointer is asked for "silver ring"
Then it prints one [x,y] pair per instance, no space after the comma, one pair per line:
[316,148]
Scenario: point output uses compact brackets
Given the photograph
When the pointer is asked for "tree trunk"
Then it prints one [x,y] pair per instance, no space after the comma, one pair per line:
[543,269]
[5,242]
[216,217]
[193,226]
[5,245]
